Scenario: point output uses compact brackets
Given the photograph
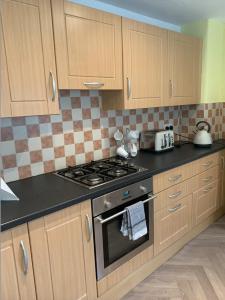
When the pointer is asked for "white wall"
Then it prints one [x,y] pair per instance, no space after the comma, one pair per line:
[127,13]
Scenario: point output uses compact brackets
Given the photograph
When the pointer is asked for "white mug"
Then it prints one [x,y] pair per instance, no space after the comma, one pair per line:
[133,150]
[122,152]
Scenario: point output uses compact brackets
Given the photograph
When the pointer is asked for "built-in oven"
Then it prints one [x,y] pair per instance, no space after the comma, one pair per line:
[112,249]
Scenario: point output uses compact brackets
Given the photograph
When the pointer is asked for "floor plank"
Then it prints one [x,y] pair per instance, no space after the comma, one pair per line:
[196,272]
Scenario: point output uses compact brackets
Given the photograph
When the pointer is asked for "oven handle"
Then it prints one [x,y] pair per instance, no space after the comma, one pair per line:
[102,221]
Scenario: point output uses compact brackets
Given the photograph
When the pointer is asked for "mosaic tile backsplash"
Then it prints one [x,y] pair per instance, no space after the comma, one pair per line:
[83,132]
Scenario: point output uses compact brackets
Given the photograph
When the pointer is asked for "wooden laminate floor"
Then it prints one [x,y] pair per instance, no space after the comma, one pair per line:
[197,272]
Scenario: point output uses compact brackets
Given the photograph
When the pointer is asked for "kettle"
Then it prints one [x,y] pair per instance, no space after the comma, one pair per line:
[203,136]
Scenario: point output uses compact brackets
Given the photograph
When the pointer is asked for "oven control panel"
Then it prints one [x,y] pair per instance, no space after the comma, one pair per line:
[120,196]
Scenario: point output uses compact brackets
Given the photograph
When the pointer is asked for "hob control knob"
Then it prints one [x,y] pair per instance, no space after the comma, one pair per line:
[107,204]
[143,188]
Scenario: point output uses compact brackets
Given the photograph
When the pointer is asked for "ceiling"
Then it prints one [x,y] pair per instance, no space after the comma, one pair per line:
[174,11]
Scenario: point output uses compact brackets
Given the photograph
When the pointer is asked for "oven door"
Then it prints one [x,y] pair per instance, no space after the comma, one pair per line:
[112,249]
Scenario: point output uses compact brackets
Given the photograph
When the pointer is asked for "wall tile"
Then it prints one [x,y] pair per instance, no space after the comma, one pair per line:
[83,131]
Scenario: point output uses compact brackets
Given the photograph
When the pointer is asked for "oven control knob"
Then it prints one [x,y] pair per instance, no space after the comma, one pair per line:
[107,204]
[143,189]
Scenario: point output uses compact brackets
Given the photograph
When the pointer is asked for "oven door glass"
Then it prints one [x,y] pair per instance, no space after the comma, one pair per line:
[115,245]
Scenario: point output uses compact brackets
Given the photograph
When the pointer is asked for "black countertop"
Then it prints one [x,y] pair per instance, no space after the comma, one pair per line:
[47,193]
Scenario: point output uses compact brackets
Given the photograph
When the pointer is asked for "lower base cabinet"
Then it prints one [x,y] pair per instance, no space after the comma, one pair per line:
[206,202]
[63,254]
[17,279]
[172,223]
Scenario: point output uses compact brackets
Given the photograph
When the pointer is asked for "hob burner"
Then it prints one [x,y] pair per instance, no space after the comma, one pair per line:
[100,172]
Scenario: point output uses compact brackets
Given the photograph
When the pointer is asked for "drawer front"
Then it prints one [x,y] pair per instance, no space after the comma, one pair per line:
[208,176]
[167,179]
[208,162]
[206,201]
[170,196]
[172,223]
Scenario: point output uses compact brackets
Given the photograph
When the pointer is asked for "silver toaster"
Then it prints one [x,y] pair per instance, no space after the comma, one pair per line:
[157,140]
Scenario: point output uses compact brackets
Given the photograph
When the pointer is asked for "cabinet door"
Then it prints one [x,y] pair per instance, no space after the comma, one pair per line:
[30,59]
[144,57]
[171,223]
[184,78]
[63,254]
[206,202]
[5,108]
[17,281]
[88,47]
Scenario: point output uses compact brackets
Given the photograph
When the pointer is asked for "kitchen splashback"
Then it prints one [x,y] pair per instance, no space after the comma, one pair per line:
[83,132]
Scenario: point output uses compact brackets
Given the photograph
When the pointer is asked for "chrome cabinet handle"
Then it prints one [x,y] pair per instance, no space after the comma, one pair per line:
[175,178]
[128,88]
[175,208]
[175,195]
[170,89]
[207,164]
[207,179]
[93,84]
[89,227]
[25,257]
[102,221]
[53,86]
[208,189]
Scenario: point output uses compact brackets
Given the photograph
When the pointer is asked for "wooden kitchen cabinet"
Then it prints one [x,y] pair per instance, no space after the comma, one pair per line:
[172,222]
[63,254]
[17,280]
[144,67]
[28,83]
[184,69]
[88,46]
[206,201]
[161,68]
[144,62]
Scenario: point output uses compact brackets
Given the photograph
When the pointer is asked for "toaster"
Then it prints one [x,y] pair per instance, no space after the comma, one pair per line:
[157,140]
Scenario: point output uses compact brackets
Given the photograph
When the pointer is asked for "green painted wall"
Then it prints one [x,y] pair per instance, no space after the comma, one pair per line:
[213,58]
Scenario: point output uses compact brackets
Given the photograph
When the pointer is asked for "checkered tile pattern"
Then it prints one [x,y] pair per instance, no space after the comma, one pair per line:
[83,132]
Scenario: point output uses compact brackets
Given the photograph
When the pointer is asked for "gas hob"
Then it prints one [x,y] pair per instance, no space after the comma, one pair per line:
[96,173]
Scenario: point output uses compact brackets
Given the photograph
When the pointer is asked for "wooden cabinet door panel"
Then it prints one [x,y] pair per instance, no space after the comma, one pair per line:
[206,201]
[184,69]
[15,284]
[29,48]
[144,50]
[5,98]
[63,258]
[88,47]
[172,223]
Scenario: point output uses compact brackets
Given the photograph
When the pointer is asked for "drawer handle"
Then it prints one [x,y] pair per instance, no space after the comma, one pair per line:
[93,84]
[175,208]
[175,195]
[208,189]
[175,178]
[25,257]
[207,164]
[207,179]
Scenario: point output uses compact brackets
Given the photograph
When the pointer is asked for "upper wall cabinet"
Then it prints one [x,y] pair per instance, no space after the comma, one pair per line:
[213,58]
[28,76]
[88,47]
[184,69]
[145,54]
[161,68]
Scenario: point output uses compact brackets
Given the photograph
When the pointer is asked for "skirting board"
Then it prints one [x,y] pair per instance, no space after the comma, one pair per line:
[121,289]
